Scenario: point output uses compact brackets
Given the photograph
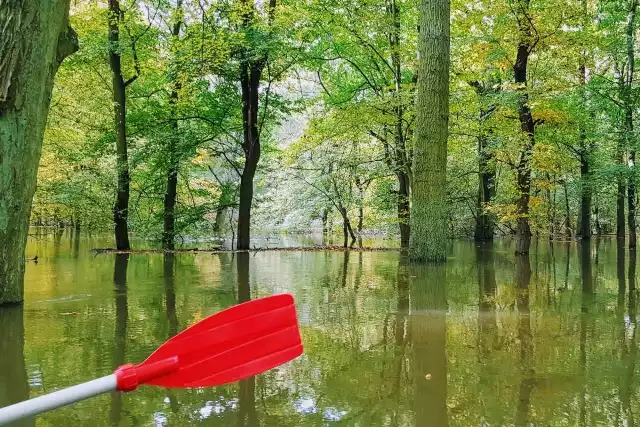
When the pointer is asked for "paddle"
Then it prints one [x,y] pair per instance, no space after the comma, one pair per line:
[236,343]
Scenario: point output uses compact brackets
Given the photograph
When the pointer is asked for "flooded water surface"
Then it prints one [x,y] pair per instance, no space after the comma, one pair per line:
[489,339]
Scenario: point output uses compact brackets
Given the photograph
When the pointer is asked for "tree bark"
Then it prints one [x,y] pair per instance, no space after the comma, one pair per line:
[428,241]
[527,126]
[121,206]
[168,235]
[35,37]
[584,226]
[325,218]
[250,74]
[401,163]
[629,106]
[486,171]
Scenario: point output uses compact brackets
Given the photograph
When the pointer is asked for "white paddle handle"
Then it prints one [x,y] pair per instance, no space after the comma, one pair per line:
[57,399]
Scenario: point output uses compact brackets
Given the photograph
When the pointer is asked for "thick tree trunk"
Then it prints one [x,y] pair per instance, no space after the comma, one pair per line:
[121,206]
[250,74]
[168,235]
[325,218]
[403,208]
[35,37]
[428,241]
[250,80]
[584,227]
[527,126]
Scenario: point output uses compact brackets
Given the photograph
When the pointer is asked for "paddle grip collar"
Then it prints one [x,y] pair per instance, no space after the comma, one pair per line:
[130,376]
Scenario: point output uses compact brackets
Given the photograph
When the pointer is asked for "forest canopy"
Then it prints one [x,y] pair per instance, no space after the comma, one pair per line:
[336,117]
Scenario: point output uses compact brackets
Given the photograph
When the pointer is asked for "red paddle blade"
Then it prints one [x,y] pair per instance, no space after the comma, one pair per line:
[236,343]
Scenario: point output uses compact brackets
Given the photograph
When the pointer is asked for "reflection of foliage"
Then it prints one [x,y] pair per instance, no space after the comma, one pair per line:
[364,324]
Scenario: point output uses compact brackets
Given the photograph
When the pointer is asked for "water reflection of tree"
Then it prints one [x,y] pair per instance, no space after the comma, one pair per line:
[168,267]
[487,325]
[586,274]
[523,278]
[14,384]
[247,415]
[168,270]
[119,347]
[427,331]
[629,347]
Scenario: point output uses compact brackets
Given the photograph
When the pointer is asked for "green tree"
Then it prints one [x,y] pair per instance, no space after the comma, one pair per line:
[429,208]
[35,38]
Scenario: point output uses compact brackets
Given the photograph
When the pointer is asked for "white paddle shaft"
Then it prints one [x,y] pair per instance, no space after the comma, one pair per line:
[57,399]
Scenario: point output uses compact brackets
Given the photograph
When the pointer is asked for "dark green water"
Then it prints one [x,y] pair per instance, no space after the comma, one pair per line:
[486,340]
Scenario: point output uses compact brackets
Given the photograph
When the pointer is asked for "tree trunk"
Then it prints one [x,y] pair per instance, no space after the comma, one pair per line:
[360,186]
[121,206]
[428,241]
[486,190]
[527,126]
[250,74]
[584,226]
[629,105]
[401,163]
[325,218]
[567,211]
[168,235]
[35,37]
[347,230]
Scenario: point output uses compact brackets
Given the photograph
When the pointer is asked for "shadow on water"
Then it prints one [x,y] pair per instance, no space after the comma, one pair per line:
[427,331]
[119,347]
[14,384]
[247,415]
[527,373]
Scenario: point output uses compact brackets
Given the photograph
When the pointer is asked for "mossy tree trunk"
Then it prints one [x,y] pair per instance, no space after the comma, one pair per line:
[428,240]
[35,37]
